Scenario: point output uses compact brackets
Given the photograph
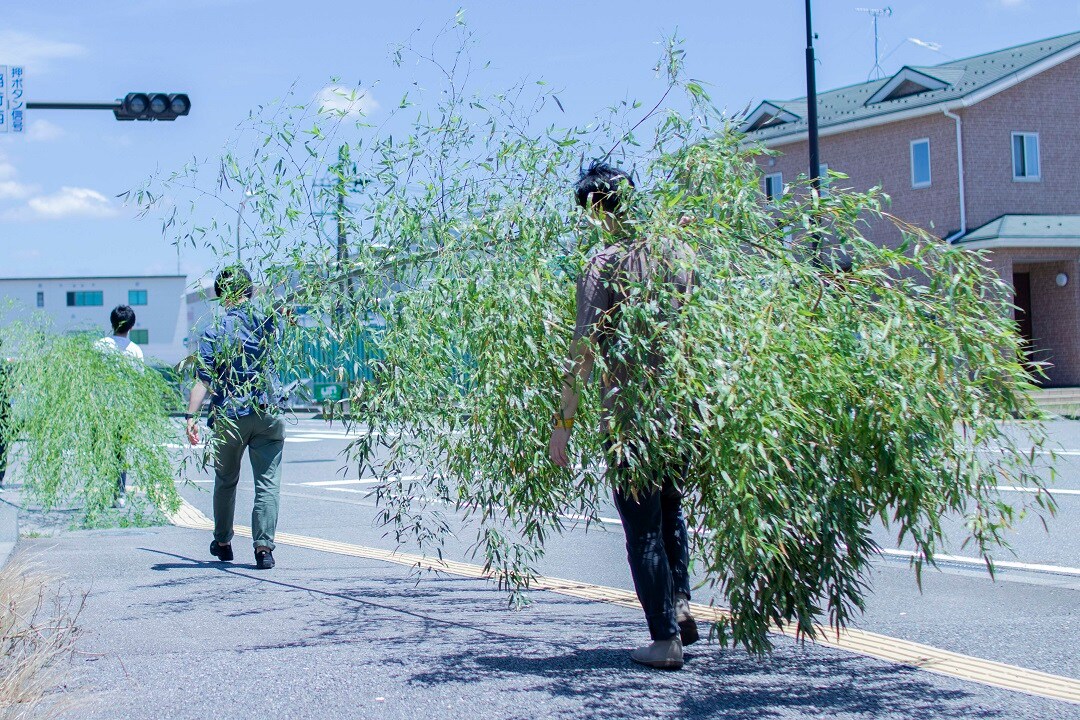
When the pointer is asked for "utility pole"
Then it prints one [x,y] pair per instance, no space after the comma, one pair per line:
[239,220]
[342,236]
[343,181]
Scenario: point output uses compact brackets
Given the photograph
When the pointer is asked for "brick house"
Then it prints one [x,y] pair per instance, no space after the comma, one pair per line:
[983,152]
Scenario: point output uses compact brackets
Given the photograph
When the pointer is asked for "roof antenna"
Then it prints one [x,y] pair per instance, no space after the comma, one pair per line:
[877,72]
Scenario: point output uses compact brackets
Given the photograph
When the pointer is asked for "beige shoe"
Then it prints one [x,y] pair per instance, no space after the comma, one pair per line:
[688,631]
[662,654]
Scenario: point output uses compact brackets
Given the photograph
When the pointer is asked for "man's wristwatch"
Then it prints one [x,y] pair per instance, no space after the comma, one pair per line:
[189,416]
[562,423]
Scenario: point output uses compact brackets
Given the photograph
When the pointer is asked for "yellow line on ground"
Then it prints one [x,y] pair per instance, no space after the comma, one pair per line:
[917,655]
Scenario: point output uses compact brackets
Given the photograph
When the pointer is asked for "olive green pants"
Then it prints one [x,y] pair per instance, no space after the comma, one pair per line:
[263,436]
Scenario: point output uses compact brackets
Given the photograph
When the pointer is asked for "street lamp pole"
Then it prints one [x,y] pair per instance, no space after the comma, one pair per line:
[811,103]
[812,129]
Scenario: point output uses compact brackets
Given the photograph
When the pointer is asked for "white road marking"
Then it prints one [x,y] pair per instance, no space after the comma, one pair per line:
[606,520]
[963,560]
[330,484]
[321,436]
[1051,491]
[1028,451]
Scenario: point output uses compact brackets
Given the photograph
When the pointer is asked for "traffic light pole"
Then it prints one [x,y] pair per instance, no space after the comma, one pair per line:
[134,106]
[71,106]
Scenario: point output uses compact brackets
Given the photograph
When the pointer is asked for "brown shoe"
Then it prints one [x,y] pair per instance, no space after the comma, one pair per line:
[661,654]
[688,631]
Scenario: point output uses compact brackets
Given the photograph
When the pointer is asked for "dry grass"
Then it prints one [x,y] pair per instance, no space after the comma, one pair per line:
[37,632]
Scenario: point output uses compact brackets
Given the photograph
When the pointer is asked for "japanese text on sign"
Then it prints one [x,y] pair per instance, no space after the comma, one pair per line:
[12,104]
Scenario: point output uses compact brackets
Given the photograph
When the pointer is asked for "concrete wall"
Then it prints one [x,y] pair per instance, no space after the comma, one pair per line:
[162,317]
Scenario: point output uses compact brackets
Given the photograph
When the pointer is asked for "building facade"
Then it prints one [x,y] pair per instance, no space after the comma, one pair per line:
[983,152]
[74,304]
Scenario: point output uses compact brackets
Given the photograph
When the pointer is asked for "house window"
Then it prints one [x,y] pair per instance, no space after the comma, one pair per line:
[40,298]
[136,297]
[1025,150]
[774,186]
[139,337]
[920,163]
[85,298]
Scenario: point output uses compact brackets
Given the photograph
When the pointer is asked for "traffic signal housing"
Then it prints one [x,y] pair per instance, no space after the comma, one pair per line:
[152,106]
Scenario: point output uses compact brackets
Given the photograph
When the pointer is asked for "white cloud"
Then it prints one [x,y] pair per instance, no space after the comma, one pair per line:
[41,130]
[10,187]
[11,190]
[343,100]
[67,202]
[71,202]
[35,52]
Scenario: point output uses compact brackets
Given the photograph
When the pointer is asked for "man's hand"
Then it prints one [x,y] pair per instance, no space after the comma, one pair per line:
[560,438]
[193,431]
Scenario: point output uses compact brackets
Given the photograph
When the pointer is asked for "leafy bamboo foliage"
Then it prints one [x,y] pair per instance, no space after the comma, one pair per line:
[83,415]
[807,396]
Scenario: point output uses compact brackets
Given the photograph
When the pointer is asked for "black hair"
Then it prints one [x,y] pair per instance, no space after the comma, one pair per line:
[122,318]
[603,184]
[234,281]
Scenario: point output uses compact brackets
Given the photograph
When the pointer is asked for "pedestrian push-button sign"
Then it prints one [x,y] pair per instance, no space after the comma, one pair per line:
[12,104]
[329,392]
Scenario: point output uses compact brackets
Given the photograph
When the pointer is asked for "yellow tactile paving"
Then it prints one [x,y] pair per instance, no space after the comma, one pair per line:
[923,657]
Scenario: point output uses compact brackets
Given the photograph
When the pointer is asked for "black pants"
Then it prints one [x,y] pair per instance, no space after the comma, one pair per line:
[657,548]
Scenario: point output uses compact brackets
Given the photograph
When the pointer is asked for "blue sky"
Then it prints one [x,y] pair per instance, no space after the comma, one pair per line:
[58,210]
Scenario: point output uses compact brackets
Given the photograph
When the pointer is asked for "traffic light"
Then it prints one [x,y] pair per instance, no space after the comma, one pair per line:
[152,106]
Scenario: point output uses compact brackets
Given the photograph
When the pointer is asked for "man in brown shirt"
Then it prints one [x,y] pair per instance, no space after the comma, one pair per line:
[657,544]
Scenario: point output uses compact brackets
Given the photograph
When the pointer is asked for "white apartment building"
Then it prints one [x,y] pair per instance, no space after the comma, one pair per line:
[84,303]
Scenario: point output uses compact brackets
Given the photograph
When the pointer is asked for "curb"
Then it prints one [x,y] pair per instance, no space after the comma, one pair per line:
[9,530]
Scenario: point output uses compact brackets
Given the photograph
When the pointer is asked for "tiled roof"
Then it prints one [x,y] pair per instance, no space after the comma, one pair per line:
[965,77]
[1026,228]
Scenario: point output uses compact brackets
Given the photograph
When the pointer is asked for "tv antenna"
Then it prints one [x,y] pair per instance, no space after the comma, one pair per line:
[876,13]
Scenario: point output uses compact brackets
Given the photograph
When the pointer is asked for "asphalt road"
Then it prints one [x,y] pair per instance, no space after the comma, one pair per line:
[167,633]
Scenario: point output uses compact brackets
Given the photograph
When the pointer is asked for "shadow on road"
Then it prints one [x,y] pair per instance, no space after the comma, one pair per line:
[792,680]
[448,632]
[354,598]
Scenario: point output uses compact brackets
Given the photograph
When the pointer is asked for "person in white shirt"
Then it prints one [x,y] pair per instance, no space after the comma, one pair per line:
[123,319]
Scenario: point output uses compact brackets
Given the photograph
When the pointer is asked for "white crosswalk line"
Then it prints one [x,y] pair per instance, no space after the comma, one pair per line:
[329,484]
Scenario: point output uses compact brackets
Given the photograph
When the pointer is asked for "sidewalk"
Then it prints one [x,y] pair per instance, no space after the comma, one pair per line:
[168,634]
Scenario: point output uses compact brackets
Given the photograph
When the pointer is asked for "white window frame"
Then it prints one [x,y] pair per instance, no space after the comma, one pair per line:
[929,165]
[1038,155]
[779,184]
